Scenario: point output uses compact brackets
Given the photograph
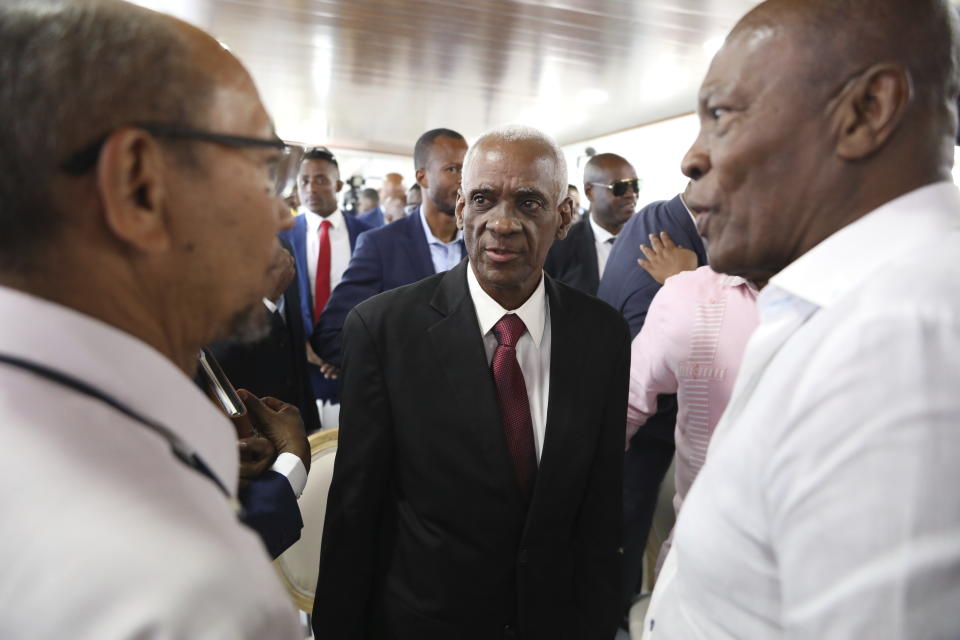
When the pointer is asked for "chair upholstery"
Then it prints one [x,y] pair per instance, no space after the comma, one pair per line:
[298,565]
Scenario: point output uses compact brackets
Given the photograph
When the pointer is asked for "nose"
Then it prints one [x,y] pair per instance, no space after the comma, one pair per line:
[504,221]
[696,163]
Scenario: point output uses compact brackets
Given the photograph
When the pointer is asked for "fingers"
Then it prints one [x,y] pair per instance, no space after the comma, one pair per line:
[646,265]
[255,448]
[667,240]
[655,243]
[648,252]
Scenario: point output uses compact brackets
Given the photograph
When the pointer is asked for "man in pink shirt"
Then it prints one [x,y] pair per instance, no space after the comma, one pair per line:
[691,345]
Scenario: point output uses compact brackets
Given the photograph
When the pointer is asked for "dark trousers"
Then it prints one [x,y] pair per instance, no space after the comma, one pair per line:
[644,466]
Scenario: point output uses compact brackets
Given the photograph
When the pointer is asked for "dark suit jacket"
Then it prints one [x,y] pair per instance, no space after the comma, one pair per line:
[427,535]
[323,389]
[384,259]
[573,260]
[373,218]
[277,364]
[625,285]
[270,508]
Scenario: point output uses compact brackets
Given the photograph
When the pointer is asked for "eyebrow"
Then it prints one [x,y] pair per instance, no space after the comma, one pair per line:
[530,191]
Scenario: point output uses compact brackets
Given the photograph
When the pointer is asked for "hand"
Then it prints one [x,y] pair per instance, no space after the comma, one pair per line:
[665,258]
[329,371]
[256,455]
[281,273]
[280,423]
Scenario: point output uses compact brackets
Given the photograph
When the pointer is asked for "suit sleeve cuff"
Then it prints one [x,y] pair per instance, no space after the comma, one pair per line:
[291,467]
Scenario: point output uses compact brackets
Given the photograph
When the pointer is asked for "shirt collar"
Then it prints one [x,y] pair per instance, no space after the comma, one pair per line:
[314,220]
[123,367]
[847,258]
[533,312]
[600,234]
[432,239]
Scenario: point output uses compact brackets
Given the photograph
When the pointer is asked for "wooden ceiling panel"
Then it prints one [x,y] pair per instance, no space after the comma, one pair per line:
[374,75]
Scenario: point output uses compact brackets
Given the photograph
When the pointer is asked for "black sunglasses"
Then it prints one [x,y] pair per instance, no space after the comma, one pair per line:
[285,179]
[620,187]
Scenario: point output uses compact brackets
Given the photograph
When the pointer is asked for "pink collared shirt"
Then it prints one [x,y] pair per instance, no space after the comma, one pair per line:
[691,344]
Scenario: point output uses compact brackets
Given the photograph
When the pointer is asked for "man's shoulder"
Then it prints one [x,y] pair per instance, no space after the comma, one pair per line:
[387,237]
[652,217]
[397,301]
[357,224]
[590,312]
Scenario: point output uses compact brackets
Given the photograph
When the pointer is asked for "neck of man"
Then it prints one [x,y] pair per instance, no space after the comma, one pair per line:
[609,227]
[325,214]
[442,225]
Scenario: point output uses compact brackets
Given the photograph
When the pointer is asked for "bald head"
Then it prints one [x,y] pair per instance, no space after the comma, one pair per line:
[63,84]
[844,37]
[610,184]
[815,113]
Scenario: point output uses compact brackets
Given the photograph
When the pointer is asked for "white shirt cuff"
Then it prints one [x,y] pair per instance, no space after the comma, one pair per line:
[291,466]
[271,307]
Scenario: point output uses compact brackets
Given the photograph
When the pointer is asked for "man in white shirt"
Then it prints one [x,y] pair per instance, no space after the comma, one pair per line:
[610,183]
[323,240]
[477,488]
[115,269]
[827,506]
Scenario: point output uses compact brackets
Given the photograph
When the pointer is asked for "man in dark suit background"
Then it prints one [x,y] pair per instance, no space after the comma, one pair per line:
[476,492]
[410,249]
[610,184]
[322,238]
[275,365]
[630,289]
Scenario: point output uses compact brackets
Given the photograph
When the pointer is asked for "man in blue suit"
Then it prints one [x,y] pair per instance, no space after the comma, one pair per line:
[410,249]
[627,287]
[323,240]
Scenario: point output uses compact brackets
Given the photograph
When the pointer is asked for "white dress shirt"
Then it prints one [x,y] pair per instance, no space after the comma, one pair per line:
[339,246]
[533,348]
[828,504]
[445,255]
[116,538]
[603,240]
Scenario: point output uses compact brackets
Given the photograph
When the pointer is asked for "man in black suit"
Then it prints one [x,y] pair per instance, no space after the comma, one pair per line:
[275,365]
[610,184]
[476,492]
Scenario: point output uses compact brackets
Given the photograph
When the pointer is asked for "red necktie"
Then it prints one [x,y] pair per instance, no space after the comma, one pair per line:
[513,401]
[321,292]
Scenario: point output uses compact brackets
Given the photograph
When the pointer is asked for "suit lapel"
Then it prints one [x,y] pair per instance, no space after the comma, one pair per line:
[566,357]
[299,241]
[588,257]
[459,348]
[419,248]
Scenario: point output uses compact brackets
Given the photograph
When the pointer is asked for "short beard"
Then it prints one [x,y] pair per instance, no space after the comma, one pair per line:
[444,207]
[250,324]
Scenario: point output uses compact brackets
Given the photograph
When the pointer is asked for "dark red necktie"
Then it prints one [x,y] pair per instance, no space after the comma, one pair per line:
[321,292]
[513,401]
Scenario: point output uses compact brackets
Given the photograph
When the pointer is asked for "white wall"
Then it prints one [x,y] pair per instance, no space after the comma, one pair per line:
[654,150]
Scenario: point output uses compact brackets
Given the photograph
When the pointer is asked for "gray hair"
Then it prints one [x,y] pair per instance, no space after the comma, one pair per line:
[523,133]
[70,72]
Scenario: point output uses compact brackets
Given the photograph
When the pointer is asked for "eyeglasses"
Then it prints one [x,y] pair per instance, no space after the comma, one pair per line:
[620,187]
[283,173]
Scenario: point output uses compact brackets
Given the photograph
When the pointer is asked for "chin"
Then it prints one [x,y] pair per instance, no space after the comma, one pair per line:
[250,324]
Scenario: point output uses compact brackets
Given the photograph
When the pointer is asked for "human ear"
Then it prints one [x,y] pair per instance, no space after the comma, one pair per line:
[869,110]
[458,210]
[421,178]
[132,185]
[565,210]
